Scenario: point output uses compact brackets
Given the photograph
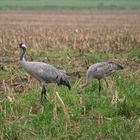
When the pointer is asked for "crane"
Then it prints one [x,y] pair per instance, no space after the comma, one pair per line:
[43,72]
[100,71]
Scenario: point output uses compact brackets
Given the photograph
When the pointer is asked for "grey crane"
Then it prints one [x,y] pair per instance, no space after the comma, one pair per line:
[100,71]
[43,72]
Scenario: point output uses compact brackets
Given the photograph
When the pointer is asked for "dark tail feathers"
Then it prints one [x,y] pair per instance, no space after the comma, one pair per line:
[116,65]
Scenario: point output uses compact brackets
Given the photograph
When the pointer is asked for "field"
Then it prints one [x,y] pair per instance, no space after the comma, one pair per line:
[70,40]
[69,4]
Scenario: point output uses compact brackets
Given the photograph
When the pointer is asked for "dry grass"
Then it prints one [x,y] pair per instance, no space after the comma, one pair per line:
[64,30]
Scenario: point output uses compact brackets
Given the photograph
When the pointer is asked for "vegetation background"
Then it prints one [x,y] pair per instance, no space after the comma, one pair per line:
[71,35]
[69,4]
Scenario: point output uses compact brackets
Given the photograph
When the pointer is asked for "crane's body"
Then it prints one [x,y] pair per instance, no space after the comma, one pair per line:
[43,72]
[101,71]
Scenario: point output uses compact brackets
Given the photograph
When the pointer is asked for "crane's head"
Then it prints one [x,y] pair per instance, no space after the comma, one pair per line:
[22,46]
[65,82]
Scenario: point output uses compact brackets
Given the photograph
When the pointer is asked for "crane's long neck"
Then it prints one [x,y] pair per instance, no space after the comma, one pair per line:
[23,53]
[88,80]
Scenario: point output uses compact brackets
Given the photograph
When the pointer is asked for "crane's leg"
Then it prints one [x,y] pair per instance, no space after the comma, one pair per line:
[43,94]
[41,100]
[99,86]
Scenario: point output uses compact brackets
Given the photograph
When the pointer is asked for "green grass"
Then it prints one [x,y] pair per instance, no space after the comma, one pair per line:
[3,74]
[91,116]
[23,119]
[97,56]
[134,54]
[69,4]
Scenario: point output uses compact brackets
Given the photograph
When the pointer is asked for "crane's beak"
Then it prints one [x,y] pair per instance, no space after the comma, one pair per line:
[69,87]
[17,46]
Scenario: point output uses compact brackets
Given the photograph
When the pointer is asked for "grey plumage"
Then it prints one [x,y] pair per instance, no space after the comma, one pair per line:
[101,71]
[43,72]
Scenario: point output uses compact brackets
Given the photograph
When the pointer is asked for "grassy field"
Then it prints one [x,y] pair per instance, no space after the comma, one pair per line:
[69,4]
[70,41]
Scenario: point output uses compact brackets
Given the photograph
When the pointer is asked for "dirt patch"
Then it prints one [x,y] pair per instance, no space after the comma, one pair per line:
[14,84]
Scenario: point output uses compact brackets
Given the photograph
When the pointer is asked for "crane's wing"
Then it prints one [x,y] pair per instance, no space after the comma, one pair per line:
[107,68]
[43,71]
